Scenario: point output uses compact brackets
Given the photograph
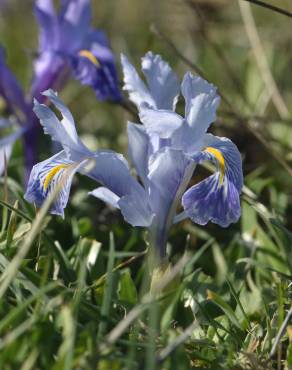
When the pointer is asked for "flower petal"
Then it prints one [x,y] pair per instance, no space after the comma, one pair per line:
[123,191]
[163,83]
[63,131]
[106,196]
[138,92]
[46,17]
[160,122]
[136,210]
[139,149]
[201,103]
[46,175]
[11,91]
[95,66]
[111,170]
[216,199]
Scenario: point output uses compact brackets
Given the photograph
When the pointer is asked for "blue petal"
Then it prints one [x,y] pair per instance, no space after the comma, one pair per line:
[163,83]
[123,191]
[63,131]
[50,69]
[46,175]
[112,171]
[160,122]
[11,91]
[216,199]
[106,196]
[139,149]
[201,103]
[138,92]
[136,210]
[169,173]
[95,66]
[46,17]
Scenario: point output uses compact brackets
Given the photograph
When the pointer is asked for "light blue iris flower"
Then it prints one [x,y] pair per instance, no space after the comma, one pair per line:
[164,151]
[106,167]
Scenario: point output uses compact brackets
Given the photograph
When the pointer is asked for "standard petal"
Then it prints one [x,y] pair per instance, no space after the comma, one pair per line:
[216,199]
[46,176]
[160,122]
[139,149]
[201,103]
[138,92]
[163,83]
[170,172]
[167,173]
[46,17]
[75,17]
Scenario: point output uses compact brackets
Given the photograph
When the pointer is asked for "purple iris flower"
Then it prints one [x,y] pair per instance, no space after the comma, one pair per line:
[67,43]
[164,151]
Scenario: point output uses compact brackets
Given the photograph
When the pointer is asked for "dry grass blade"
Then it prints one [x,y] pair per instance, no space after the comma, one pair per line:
[165,352]
[261,59]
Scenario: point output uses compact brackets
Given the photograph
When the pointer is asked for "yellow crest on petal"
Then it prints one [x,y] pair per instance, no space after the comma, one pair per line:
[49,177]
[89,55]
[220,159]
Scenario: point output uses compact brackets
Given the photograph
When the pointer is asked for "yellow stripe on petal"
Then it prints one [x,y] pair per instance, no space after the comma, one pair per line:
[88,54]
[220,159]
[49,177]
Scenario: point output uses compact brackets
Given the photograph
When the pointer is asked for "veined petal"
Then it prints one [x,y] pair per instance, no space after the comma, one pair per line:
[138,92]
[160,122]
[47,175]
[162,81]
[201,103]
[216,199]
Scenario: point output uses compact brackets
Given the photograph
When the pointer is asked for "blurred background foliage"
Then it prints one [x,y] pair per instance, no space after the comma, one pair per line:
[236,284]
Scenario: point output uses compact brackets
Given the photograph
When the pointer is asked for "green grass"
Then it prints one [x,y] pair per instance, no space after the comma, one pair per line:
[218,305]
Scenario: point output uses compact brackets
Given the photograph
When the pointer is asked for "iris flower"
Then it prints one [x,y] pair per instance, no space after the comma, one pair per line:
[164,151]
[67,41]
[67,44]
